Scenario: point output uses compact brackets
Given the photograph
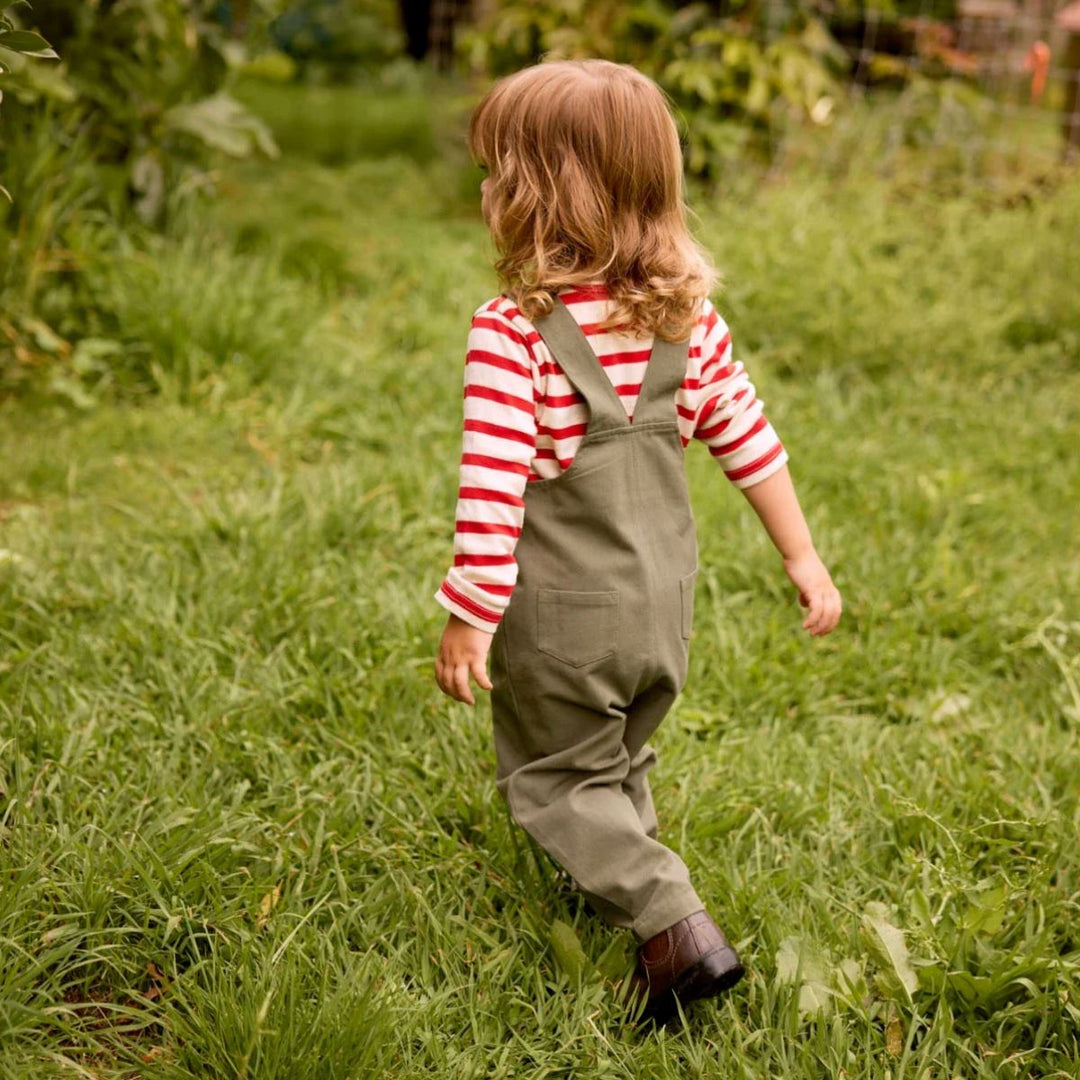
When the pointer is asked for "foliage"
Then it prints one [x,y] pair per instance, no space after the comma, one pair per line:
[352,122]
[128,119]
[242,833]
[57,216]
[19,43]
[22,42]
[146,79]
[145,314]
[737,91]
[333,39]
[749,75]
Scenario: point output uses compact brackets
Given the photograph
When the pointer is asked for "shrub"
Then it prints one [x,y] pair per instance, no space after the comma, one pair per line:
[125,122]
[146,80]
[737,90]
[334,38]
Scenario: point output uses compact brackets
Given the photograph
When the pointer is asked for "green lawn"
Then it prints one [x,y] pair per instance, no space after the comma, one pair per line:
[243,834]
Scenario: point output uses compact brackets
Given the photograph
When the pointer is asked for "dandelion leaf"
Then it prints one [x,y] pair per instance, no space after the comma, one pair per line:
[885,943]
[568,951]
[798,964]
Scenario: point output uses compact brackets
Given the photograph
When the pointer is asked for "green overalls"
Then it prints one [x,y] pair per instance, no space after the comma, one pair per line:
[592,649]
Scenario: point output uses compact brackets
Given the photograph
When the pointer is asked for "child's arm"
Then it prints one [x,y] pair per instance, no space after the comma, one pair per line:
[775,502]
[498,442]
[729,418]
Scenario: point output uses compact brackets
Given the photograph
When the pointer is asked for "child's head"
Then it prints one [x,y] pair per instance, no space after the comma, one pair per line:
[586,184]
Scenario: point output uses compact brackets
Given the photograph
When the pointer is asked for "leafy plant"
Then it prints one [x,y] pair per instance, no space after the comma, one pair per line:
[333,38]
[147,80]
[19,43]
[126,121]
[24,42]
[738,87]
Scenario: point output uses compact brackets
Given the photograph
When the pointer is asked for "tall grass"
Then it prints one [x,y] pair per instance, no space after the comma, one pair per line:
[338,124]
[244,835]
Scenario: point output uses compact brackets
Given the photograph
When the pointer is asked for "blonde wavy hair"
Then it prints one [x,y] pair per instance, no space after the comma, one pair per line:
[586,184]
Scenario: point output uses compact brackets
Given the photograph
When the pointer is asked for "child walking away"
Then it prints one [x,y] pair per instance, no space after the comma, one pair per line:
[574,554]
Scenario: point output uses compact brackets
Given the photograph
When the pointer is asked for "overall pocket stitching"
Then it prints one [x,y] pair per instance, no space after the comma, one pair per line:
[686,601]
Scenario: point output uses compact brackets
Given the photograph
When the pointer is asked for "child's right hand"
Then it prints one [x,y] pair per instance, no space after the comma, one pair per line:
[462,651]
[816,592]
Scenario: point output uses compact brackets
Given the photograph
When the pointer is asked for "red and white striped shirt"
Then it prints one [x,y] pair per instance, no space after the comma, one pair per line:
[524,421]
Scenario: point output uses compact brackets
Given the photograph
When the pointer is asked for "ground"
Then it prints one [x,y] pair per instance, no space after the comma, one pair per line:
[244,835]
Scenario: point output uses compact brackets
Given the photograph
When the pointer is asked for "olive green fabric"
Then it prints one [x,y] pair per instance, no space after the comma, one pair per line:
[592,649]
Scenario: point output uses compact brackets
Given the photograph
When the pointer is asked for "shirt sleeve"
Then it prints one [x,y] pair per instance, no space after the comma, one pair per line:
[498,444]
[729,416]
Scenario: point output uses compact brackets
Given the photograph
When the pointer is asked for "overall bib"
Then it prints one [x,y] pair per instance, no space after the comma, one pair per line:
[592,649]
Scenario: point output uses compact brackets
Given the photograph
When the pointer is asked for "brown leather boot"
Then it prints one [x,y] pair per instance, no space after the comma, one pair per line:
[687,961]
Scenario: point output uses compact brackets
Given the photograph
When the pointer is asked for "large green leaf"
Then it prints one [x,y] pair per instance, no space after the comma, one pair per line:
[221,122]
[568,951]
[798,963]
[885,942]
[27,43]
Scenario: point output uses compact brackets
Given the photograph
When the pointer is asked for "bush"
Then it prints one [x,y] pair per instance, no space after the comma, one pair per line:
[146,81]
[126,122]
[335,38]
[185,316]
[737,91]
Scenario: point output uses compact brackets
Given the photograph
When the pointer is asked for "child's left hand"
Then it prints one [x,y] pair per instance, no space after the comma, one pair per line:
[816,592]
[462,651]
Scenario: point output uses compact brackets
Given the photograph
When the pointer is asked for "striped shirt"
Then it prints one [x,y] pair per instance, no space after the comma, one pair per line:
[524,421]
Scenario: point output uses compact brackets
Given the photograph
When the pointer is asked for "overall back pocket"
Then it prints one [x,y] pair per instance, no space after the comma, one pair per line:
[577,628]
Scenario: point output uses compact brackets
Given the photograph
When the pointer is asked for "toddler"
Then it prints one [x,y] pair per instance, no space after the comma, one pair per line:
[574,553]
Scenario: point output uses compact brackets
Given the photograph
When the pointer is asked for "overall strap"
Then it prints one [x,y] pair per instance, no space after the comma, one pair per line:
[575,356]
[664,374]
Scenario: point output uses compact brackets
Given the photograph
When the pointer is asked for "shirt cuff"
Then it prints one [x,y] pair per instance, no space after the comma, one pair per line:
[464,608]
[760,470]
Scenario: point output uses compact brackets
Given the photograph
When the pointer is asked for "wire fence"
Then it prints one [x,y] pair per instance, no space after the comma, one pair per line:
[1026,61]
[992,89]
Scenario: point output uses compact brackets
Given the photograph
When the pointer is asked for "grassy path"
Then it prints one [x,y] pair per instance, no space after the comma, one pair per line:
[244,836]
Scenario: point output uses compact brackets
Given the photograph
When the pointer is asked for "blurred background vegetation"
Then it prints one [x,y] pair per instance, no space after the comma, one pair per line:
[116,140]
[241,832]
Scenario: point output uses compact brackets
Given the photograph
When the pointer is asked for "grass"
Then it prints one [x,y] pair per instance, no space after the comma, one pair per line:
[338,124]
[243,835]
